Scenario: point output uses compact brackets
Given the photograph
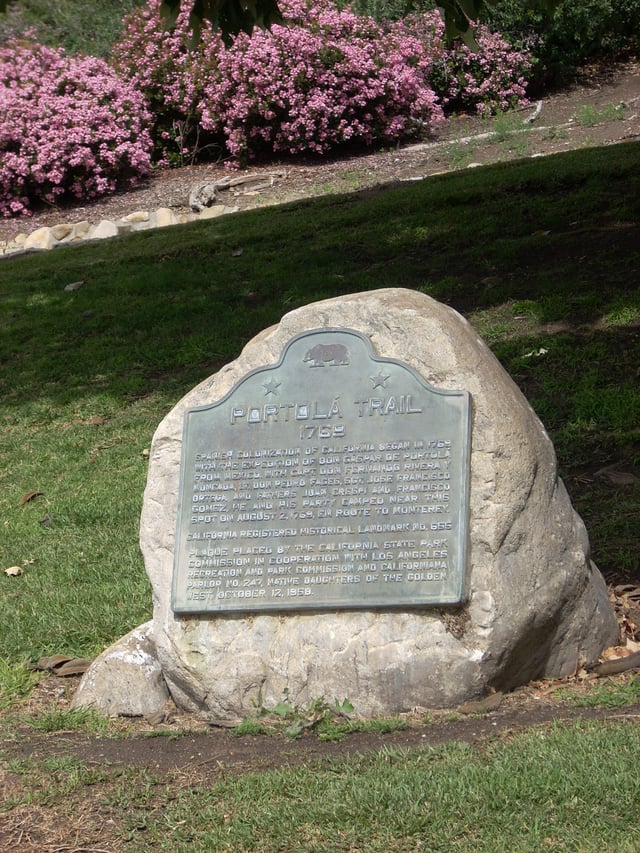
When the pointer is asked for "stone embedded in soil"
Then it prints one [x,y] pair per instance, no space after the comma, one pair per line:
[126,679]
[45,238]
[536,605]
[41,238]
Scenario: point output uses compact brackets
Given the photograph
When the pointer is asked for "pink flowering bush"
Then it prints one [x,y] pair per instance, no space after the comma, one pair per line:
[170,70]
[488,80]
[325,78]
[68,126]
[491,80]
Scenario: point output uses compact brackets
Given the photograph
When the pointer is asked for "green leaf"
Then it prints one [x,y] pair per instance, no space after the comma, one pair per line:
[230,16]
[283,709]
[295,729]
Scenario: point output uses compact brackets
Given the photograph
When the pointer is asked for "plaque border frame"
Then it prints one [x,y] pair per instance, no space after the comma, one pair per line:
[466,423]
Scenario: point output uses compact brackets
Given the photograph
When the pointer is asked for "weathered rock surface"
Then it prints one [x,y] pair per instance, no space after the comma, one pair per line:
[104,229]
[126,679]
[41,238]
[536,603]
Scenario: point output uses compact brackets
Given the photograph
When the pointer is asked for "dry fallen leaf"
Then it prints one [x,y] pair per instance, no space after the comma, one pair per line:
[481,706]
[615,652]
[29,496]
[618,478]
[13,571]
[620,664]
[62,665]
[621,478]
[50,662]
[77,666]
[629,590]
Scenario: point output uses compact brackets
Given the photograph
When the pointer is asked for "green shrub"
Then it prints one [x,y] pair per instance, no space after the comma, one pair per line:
[579,31]
[80,26]
[386,10]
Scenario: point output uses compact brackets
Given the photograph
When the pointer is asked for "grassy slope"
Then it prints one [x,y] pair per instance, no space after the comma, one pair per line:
[540,254]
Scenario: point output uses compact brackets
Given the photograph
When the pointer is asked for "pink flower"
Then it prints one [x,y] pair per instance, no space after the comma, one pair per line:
[68,125]
[325,78]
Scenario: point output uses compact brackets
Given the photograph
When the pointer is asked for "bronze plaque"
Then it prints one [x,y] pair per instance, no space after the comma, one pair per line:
[332,479]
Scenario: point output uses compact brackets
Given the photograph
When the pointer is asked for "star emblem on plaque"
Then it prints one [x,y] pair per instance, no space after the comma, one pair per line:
[271,387]
[379,381]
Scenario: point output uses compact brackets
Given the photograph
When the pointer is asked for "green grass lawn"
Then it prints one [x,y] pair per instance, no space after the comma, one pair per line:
[542,256]
[571,787]
[561,789]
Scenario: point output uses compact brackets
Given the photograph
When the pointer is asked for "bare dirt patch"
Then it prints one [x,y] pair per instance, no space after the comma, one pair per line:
[602,108]
[184,742]
[135,772]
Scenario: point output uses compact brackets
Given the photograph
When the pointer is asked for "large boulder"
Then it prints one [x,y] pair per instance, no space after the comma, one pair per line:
[535,604]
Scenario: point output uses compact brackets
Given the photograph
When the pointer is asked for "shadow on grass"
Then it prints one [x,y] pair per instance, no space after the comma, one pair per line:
[542,255]
[562,233]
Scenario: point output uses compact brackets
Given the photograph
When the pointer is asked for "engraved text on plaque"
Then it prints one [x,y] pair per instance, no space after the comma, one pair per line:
[332,479]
